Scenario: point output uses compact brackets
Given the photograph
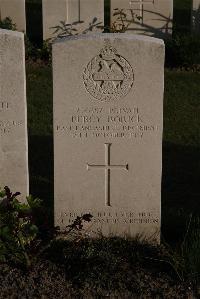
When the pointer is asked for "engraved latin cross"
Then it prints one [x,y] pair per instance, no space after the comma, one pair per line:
[141,4]
[107,168]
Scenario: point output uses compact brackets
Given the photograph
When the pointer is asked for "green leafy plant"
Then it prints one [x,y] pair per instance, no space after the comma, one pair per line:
[75,231]
[18,230]
[73,234]
[7,24]
[43,53]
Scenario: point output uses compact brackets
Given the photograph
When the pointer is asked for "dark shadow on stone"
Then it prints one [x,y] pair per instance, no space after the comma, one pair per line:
[130,20]
[162,32]
[180,188]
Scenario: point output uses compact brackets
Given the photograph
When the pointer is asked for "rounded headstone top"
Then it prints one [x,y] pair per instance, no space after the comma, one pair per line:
[122,36]
[11,33]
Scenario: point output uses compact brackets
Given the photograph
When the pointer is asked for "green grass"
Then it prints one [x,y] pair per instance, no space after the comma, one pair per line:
[40,128]
[181,147]
[182,108]
[40,100]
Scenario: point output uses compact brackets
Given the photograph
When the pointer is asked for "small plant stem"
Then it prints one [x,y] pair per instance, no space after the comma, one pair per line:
[167,262]
[187,231]
[28,262]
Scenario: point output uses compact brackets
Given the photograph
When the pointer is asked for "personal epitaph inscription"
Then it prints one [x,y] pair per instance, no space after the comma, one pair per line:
[108,76]
[107,168]
[13,119]
[108,149]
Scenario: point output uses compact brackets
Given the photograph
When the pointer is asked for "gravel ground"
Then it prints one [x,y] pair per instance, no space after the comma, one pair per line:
[48,280]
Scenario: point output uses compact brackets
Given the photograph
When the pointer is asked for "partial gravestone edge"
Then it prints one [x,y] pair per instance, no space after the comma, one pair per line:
[124,36]
[13,113]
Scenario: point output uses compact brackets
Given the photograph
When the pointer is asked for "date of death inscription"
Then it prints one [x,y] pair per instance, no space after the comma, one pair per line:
[110,122]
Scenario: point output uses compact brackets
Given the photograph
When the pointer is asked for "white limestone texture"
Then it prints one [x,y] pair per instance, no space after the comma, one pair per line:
[148,17]
[196,16]
[108,122]
[53,13]
[15,9]
[13,113]
[69,11]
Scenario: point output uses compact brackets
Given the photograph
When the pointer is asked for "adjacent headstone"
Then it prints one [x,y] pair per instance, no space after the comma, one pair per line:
[83,12]
[196,16]
[13,117]
[108,104]
[148,17]
[15,9]
[53,13]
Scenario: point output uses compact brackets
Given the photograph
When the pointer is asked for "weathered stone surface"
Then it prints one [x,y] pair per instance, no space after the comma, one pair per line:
[154,16]
[108,103]
[13,118]
[53,13]
[71,11]
[196,16]
[15,9]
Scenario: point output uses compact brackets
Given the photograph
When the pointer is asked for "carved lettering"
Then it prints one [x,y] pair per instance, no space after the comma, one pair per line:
[4,106]
[102,217]
[111,122]
[6,126]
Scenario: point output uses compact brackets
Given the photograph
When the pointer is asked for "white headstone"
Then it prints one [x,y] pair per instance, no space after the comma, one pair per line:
[53,13]
[108,104]
[15,9]
[13,115]
[196,16]
[71,11]
[151,17]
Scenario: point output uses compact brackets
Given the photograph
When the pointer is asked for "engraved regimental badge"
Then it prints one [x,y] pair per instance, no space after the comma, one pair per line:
[108,76]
